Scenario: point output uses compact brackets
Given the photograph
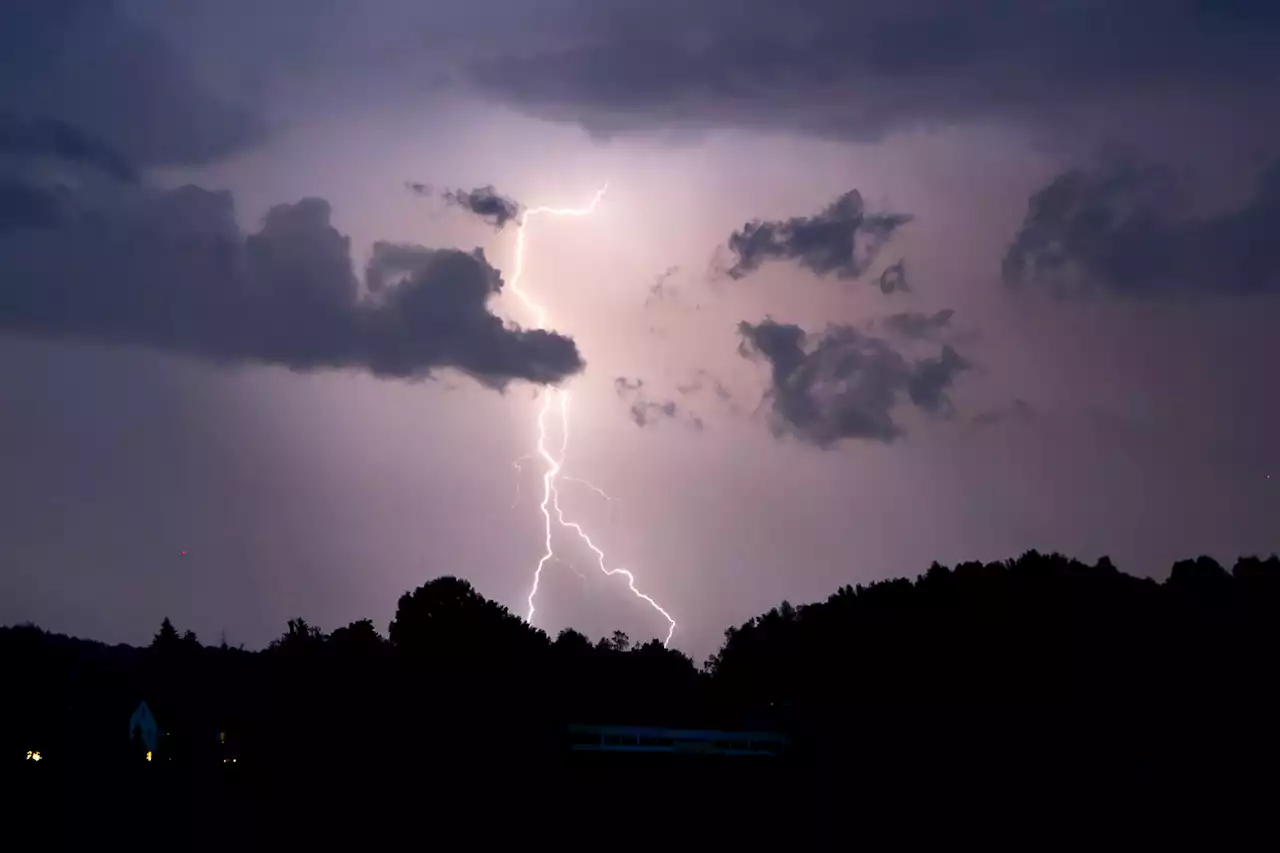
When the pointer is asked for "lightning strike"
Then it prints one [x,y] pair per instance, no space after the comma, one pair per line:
[558,398]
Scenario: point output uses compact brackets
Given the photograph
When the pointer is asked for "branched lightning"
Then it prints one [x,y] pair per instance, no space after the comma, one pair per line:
[559,399]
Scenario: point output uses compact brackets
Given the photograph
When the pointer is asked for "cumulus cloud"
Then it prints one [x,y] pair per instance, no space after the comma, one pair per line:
[171,270]
[842,240]
[486,203]
[846,384]
[1119,228]
[859,70]
[99,81]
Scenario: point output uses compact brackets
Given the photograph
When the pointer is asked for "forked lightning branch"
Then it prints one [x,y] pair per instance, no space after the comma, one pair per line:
[557,400]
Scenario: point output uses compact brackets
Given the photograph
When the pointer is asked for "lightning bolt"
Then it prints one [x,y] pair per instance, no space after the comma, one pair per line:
[558,399]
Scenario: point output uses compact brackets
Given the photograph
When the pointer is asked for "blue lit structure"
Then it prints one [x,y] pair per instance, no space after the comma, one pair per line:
[585,738]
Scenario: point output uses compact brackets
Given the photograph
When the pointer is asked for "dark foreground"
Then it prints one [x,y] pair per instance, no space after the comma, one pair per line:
[895,778]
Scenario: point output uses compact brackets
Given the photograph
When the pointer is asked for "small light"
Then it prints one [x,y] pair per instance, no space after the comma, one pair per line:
[33,756]
[148,755]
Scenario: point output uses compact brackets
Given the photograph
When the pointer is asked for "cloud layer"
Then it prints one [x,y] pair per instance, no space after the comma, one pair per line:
[171,270]
[35,139]
[86,65]
[845,384]
[859,70]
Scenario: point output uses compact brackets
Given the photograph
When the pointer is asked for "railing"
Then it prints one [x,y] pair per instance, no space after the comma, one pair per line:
[583,738]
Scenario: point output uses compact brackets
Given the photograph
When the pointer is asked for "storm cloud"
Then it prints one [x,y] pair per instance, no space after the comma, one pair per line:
[846,384]
[861,70]
[51,139]
[23,205]
[1119,228]
[97,80]
[486,203]
[843,240]
[171,270]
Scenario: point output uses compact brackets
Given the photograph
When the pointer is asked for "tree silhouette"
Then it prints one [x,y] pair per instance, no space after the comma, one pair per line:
[299,639]
[447,619]
[167,637]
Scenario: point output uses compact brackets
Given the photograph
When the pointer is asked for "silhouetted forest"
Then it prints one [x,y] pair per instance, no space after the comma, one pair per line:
[1039,687]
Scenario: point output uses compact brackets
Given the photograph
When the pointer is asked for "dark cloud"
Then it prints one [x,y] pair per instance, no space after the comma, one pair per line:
[419,188]
[843,240]
[857,69]
[703,380]
[46,138]
[1121,228]
[932,378]
[622,385]
[846,384]
[894,278]
[917,325]
[101,82]
[485,203]
[645,411]
[172,271]
[661,288]
[23,205]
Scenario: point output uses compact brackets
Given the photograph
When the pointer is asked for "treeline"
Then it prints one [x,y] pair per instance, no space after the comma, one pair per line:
[1039,629]
[958,668]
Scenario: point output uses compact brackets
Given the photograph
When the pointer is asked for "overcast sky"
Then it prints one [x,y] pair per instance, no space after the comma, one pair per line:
[872,285]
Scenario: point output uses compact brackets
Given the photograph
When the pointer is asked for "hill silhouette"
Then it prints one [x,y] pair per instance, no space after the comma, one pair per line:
[1055,689]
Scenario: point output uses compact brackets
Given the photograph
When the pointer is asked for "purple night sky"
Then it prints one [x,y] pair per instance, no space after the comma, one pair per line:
[1084,196]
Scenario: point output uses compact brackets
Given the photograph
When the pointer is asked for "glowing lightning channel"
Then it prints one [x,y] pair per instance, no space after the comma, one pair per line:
[559,398]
